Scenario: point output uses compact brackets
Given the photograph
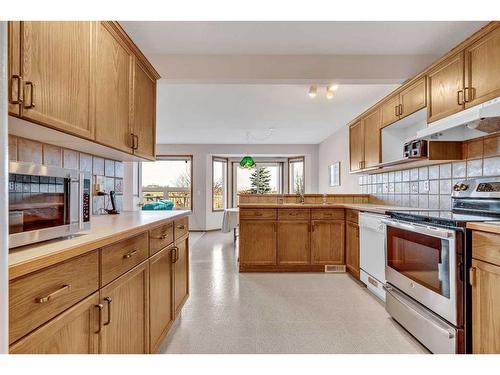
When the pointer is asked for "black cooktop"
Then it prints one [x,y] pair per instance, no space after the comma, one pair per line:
[446,218]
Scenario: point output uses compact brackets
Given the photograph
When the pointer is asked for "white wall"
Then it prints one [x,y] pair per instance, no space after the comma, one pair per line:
[203,218]
[336,148]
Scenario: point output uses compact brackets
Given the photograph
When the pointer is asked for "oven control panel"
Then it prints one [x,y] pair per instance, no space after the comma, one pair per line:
[488,187]
[86,200]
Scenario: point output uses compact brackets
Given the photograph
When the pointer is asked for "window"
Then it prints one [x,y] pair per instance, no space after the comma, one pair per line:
[296,184]
[219,183]
[265,178]
[168,178]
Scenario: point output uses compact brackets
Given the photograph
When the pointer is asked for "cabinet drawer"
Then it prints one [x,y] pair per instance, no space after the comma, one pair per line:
[327,214]
[122,256]
[161,237]
[263,213]
[294,214]
[181,227]
[38,297]
[352,216]
[486,246]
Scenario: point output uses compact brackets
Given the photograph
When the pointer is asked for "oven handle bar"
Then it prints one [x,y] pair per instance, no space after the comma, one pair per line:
[393,293]
[430,231]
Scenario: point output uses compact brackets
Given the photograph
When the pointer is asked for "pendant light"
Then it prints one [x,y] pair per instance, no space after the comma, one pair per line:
[247,162]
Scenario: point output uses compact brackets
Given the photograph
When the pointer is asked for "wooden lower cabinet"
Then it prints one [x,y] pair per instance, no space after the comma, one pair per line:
[485,308]
[258,242]
[294,242]
[125,316]
[75,331]
[181,273]
[327,241]
[161,313]
[352,248]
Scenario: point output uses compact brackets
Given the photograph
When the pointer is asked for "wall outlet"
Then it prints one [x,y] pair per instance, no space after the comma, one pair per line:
[426,186]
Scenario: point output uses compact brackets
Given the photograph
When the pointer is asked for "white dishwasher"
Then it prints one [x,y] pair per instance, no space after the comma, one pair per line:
[372,252]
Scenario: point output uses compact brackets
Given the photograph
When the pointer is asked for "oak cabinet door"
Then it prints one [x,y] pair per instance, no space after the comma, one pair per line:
[371,131]
[328,242]
[56,62]
[485,308]
[356,146]
[125,328]
[181,273]
[14,61]
[389,111]
[445,88]
[258,242]
[352,248]
[113,83]
[413,98]
[482,73]
[144,128]
[74,331]
[294,243]
[161,295]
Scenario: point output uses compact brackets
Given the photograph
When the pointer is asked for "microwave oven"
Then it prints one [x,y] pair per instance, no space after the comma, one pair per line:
[46,202]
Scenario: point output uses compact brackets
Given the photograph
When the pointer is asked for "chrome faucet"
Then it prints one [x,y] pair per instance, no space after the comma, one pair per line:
[302,198]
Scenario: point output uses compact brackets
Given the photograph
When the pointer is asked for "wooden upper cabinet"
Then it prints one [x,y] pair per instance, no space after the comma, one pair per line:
[412,98]
[389,111]
[445,88]
[482,69]
[181,273]
[144,129]
[327,241]
[14,67]
[356,146]
[113,89]
[75,331]
[125,328]
[371,132]
[56,62]
[485,307]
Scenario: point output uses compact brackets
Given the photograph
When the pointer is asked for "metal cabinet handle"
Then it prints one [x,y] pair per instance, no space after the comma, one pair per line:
[51,296]
[467,94]
[395,110]
[129,255]
[100,307]
[400,110]
[184,227]
[135,141]
[32,94]
[108,301]
[175,254]
[472,276]
[460,93]
[18,100]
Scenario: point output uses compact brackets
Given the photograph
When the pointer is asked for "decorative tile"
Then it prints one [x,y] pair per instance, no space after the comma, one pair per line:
[406,187]
[97,205]
[413,200]
[474,168]
[398,187]
[414,174]
[491,167]
[97,166]
[109,184]
[70,159]
[414,187]
[86,163]
[99,184]
[445,187]
[379,178]
[406,201]
[433,172]
[406,175]
[119,203]
[12,148]
[444,202]
[398,176]
[434,187]
[459,169]
[379,188]
[29,151]
[434,201]
[391,187]
[391,176]
[109,168]
[385,177]
[119,169]
[119,186]
[423,201]
[422,187]
[52,155]
[445,170]
[423,173]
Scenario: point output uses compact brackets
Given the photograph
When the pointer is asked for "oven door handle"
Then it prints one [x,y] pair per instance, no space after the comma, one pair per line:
[389,289]
[80,181]
[430,231]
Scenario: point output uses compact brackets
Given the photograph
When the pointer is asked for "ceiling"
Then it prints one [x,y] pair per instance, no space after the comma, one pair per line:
[222,114]
[299,38]
[223,79]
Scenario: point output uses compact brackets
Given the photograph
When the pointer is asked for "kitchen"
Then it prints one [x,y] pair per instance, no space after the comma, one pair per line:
[407,222]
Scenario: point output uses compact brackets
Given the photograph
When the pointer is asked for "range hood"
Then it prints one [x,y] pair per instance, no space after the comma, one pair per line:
[473,122]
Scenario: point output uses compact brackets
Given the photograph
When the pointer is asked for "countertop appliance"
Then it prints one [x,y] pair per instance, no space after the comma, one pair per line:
[428,262]
[372,252]
[415,149]
[46,202]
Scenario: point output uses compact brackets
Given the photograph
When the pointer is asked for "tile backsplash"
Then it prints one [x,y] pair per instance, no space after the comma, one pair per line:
[426,187]
[107,174]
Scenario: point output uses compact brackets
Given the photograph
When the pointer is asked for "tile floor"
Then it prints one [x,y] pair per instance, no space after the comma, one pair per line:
[228,312]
